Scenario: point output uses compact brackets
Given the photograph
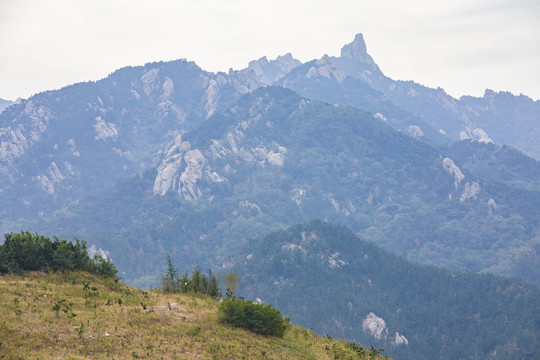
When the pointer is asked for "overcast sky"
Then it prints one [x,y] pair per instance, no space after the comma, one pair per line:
[463,46]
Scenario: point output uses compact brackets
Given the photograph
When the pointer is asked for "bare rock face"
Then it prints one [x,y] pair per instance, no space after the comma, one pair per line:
[400,340]
[325,68]
[375,326]
[182,170]
[23,131]
[191,171]
[271,71]
[415,131]
[453,170]
[356,49]
[243,81]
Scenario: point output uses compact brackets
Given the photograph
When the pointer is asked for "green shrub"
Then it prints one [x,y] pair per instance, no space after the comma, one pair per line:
[258,318]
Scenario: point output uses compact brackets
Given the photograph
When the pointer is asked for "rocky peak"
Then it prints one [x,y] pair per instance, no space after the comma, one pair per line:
[325,68]
[4,104]
[355,50]
[270,71]
[356,62]
[287,62]
[243,81]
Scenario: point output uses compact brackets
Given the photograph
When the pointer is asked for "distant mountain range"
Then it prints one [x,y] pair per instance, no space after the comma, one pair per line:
[500,117]
[169,158]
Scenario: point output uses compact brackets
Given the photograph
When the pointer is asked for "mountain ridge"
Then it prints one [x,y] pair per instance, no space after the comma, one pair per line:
[248,159]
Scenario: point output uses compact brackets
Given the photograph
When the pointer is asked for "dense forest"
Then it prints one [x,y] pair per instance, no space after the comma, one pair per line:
[319,268]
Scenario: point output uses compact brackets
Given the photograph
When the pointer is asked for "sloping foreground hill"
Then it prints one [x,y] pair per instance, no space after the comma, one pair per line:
[325,277]
[79,316]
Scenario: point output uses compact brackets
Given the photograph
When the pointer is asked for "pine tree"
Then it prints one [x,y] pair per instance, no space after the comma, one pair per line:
[170,281]
[204,284]
[185,281]
[213,285]
[196,279]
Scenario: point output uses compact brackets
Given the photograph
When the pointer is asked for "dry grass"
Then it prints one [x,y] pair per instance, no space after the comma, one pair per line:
[80,316]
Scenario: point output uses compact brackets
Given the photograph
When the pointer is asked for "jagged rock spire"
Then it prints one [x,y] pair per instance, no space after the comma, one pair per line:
[356,49]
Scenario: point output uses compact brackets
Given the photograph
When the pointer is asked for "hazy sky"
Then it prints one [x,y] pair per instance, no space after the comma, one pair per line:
[463,46]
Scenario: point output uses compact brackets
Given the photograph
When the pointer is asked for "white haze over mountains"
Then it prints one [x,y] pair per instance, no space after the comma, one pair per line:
[461,45]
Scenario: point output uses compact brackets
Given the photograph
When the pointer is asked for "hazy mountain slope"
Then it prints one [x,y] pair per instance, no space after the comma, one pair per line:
[169,158]
[507,119]
[501,117]
[274,159]
[325,277]
[268,72]
[322,80]
[502,164]
[433,106]
[4,104]
[60,146]
[497,116]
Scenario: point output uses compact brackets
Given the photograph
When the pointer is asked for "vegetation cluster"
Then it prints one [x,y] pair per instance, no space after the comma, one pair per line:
[258,318]
[198,282]
[26,251]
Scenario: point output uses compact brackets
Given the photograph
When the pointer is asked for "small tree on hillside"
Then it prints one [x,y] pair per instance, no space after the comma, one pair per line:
[170,280]
[212,288]
[185,282]
[231,284]
[196,280]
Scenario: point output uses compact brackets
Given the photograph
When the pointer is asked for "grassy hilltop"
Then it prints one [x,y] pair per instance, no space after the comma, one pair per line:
[77,315]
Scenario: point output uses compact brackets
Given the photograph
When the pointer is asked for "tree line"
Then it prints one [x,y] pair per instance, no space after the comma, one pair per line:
[255,317]
[199,281]
[25,251]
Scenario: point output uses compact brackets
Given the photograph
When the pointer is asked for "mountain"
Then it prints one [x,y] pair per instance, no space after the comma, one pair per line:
[61,146]
[274,159]
[167,158]
[502,164]
[79,316]
[327,278]
[4,104]
[500,117]
[322,80]
[268,72]
[507,118]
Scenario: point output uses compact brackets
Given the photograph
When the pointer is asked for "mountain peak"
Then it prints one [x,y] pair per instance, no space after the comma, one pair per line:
[356,49]
[269,71]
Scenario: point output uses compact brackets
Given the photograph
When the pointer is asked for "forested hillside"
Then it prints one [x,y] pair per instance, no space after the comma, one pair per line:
[413,311]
